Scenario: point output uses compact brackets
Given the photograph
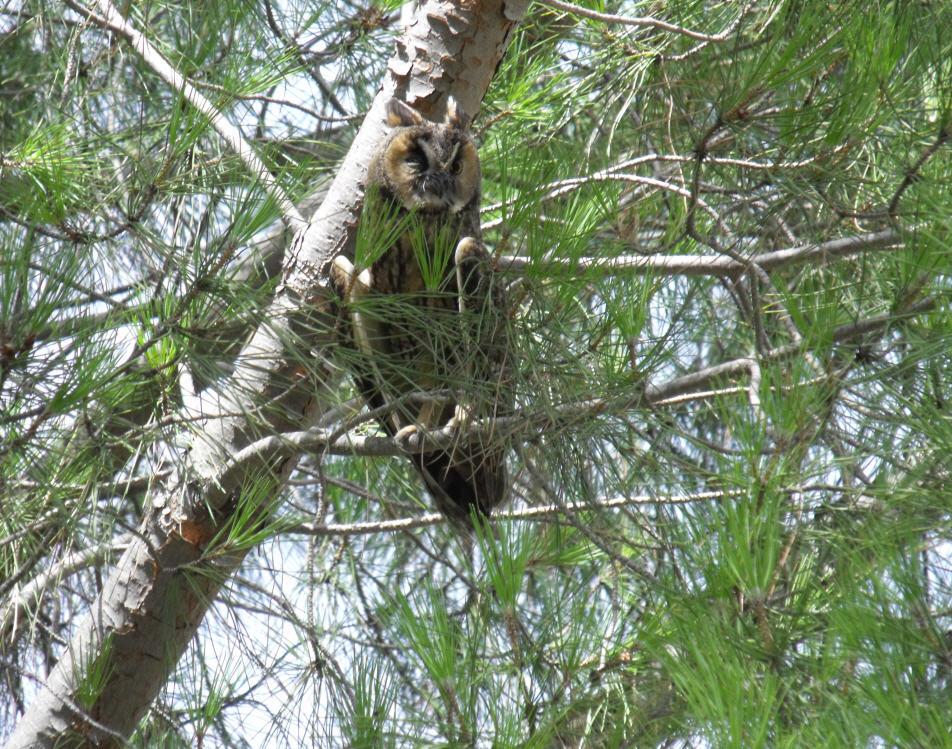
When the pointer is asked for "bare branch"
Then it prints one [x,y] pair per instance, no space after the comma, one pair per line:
[659,394]
[714,265]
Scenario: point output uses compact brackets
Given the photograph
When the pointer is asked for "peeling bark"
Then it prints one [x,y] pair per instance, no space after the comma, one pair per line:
[155,599]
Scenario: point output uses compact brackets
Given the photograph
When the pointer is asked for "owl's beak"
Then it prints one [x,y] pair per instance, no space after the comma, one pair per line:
[436,192]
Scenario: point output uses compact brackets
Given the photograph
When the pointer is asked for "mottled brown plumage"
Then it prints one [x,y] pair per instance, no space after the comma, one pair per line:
[427,315]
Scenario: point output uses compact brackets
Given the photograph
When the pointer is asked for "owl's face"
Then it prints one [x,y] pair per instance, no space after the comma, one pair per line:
[430,167]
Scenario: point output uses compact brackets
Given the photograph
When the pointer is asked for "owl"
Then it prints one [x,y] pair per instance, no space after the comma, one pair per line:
[423,309]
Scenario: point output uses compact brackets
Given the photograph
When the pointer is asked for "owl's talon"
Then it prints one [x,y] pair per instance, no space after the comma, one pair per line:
[361,286]
[347,281]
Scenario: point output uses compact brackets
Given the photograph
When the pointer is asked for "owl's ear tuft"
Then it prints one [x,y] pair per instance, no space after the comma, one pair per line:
[401,114]
[456,118]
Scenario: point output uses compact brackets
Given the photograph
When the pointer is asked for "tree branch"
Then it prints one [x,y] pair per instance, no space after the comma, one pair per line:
[435,518]
[713,265]
[658,395]
[523,426]
[14,616]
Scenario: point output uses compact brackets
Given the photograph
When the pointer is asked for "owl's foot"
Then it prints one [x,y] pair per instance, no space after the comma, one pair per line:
[342,275]
[352,286]
[404,434]
[461,417]
[347,282]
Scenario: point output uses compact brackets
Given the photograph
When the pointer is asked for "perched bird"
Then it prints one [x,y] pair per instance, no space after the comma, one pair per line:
[424,308]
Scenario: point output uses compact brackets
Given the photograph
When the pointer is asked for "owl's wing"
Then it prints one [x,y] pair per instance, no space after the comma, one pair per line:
[473,473]
[483,311]
[387,369]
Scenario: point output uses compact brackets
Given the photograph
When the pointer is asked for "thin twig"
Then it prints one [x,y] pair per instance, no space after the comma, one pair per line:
[912,174]
[644,21]
[434,518]
[30,595]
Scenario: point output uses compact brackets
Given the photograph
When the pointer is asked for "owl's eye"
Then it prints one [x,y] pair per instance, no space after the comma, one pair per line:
[457,167]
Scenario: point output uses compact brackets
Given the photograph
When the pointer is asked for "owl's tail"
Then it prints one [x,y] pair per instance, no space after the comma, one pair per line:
[460,481]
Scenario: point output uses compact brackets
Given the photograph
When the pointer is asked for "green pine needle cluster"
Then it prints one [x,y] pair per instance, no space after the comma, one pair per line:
[730,521]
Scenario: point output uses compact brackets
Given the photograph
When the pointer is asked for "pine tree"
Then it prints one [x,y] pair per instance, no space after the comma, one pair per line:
[724,231]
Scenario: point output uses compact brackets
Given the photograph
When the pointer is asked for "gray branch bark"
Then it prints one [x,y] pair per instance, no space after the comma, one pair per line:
[716,265]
